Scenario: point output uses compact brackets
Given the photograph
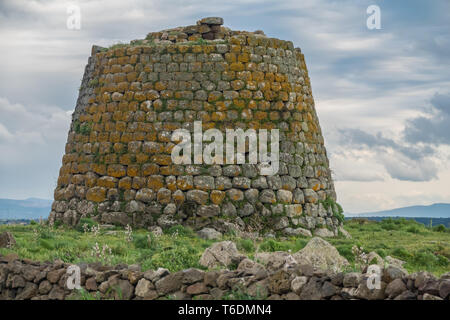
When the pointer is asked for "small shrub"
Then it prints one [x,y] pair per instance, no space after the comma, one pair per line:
[345,250]
[246,245]
[85,221]
[85,129]
[271,245]
[180,230]
[141,241]
[401,253]
[413,229]
[440,228]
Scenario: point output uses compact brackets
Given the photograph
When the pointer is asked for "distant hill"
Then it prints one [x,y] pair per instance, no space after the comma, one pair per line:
[437,210]
[425,221]
[31,208]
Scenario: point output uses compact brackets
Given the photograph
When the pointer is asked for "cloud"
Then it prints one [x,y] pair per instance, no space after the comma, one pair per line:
[434,127]
[415,154]
[32,142]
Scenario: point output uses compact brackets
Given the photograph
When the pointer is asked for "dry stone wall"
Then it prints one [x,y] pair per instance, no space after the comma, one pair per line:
[117,166]
[25,280]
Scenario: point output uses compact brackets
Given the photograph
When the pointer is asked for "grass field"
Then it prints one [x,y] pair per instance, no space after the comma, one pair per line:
[422,248]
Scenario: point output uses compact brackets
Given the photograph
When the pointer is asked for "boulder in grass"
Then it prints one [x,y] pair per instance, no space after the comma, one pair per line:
[321,255]
[221,254]
[7,240]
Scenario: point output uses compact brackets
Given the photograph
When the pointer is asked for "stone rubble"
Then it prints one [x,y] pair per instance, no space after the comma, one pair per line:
[274,277]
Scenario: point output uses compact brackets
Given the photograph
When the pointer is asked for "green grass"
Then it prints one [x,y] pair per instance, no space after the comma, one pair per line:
[422,248]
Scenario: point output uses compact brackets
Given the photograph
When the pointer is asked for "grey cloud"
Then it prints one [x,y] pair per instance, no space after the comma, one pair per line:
[361,139]
[434,128]
[410,157]
[409,170]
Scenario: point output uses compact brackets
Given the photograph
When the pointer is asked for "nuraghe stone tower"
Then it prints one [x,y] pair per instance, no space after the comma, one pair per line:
[117,167]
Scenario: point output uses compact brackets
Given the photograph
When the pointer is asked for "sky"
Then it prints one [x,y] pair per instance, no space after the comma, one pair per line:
[382,95]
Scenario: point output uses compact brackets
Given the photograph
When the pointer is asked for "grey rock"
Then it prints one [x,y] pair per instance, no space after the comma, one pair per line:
[428,296]
[297,232]
[221,254]
[192,275]
[395,288]
[391,273]
[321,255]
[145,289]
[324,233]
[444,289]
[7,240]
[298,283]
[352,279]
[211,210]
[267,196]
[209,234]
[406,295]
[246,210]
[169,283]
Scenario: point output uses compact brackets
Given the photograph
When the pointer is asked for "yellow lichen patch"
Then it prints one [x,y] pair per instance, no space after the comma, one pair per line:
[260,115]
[125,183]
[162,159]
[218,116]
[237,66]
[96,194]
[155,182]
[133,170]
[99,168]
[116,170]
[184,183]
[107,182]
[217,196]
[125,159]
[150,169]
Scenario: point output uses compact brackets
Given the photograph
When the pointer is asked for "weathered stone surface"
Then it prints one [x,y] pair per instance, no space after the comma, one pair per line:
[298,283]
[321,255]
[123,290]
[391,273]
[145,289]
[311,290]
[209,234]
[45,287]
[169,283]
[55,275]
[7,240]
[192,275]
[250,267]
[427,296]
[212,20]
[324,233]
[28,292]
[395,288]
[297,232]
[222,254]
[352,279]
[363,292]
[279,282]
[444,289]
[275,261]
[197,288]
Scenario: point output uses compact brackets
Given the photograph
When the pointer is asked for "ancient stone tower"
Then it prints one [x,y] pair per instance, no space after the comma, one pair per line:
[117,166]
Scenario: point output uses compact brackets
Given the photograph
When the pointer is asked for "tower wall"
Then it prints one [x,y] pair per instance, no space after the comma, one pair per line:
[117,166]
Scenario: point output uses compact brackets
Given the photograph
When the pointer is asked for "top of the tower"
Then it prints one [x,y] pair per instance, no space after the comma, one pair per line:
[212,21]
[209,28]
